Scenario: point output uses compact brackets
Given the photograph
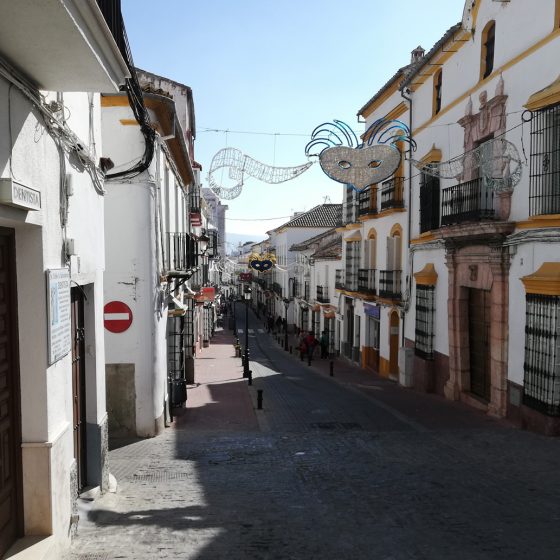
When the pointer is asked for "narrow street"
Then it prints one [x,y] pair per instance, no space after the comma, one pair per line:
[342,467]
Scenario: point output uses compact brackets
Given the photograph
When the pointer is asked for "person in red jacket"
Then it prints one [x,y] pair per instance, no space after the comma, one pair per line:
[310,343]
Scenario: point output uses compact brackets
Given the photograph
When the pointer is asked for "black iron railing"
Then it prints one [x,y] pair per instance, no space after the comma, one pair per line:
[424,329]
[541,382]
[390,283]
[366,281]
[467,202]
[180,252]
[392,193]
[277,288]
[367,202]
[322,294]
[306,291]
[350,206]
[194,201]
[429,203]
[339,279]
[544,173]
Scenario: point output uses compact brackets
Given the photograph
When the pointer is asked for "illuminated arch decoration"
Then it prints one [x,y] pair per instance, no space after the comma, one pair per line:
[240,165]
[261,263]
[360,165]
[497,161]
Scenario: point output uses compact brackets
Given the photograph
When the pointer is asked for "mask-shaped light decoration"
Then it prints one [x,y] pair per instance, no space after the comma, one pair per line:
[345,160]
[261,263]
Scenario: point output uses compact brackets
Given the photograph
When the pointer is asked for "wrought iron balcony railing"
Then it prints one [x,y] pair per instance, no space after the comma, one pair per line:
[351,279]
[306,291]
[367,202]
[392,193]
[390,283]
[180,252]
[366,281]
[467,202]
[339,279]
[323,294]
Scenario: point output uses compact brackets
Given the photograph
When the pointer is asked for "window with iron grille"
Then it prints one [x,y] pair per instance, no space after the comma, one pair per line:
[544,174]
[541,382]
[352,265]
[350,205]
[488,46]
[425,307]
[429,203]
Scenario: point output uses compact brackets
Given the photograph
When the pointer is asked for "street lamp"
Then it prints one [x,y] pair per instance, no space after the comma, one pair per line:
[247,296]
[286,305]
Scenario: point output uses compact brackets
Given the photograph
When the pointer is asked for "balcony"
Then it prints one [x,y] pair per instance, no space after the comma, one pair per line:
[467,202]
[366,281]
[351,279]
[367,202]
[306,291]
[277,288]
[339,279]
[390,283]
[392,193]
[323,294]
[180,254]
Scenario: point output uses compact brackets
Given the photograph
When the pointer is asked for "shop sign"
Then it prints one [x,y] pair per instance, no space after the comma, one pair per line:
[18,195]
[372,311]
[58,313]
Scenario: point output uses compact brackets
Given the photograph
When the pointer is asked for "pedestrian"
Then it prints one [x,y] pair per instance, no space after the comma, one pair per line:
[324,342]
[270,323]
[278,324]
[284,325]
[302,346]
[310,343]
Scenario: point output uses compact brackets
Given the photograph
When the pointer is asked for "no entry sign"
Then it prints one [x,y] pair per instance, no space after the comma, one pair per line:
[117,316]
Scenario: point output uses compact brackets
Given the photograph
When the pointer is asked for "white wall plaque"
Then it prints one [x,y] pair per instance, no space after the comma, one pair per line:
[58,313]
[18,195]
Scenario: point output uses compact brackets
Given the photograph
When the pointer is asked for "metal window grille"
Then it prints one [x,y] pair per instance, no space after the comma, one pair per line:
[425,307]
[541,383]
[489,51]
[175,358]
[467,202]
[438,88]
[352,264]
[544,170]
[330,330]
[316,323]
[429,203]
[392,193]
[189,328]
[339,279]
[350,206]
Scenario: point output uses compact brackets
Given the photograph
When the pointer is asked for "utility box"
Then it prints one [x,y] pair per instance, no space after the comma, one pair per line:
[406,363]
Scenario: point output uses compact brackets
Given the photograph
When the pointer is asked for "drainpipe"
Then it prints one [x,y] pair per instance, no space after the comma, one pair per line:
[410,255]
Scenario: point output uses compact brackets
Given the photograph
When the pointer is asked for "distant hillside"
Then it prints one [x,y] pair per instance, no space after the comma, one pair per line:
[234,239]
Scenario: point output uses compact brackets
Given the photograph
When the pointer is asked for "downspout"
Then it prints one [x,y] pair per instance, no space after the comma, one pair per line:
[410,255]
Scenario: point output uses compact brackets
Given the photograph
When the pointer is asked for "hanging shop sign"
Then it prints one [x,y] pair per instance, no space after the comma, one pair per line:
[58,313]
[372,311]
[18,195]
[117,316]
[245,277]
[206,294]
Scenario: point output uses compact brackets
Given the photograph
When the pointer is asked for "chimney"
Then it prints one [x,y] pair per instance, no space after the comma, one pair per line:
[417,54]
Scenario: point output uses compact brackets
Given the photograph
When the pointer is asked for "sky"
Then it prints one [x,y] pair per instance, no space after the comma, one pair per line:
[270,72]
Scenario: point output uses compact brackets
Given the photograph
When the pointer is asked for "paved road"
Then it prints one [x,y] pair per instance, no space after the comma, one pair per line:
[331,468]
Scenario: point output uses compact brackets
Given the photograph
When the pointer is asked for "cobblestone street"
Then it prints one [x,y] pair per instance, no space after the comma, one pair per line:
[343,467]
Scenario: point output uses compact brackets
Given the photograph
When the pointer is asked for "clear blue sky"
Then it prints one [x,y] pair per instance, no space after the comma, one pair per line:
[279,67]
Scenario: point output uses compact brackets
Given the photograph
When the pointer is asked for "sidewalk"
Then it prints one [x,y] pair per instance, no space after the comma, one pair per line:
[432,411]
[219,399]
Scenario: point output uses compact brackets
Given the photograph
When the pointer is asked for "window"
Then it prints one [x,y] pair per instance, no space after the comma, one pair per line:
[425,306]
[352,265]
[487,54]
[429,203]
[438,82]
[544,170]
[541,383]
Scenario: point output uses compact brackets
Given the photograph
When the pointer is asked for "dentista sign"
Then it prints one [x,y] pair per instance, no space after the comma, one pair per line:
[18,195]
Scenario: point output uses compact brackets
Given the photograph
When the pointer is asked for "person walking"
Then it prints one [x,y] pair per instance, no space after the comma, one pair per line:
[324,342]
[310,343]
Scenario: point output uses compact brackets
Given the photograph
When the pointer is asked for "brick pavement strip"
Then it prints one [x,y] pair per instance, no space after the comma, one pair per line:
[334,476]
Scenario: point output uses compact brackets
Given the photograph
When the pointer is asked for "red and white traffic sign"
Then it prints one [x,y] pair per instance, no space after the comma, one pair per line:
[117,316]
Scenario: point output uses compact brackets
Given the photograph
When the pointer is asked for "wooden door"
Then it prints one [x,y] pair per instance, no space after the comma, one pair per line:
[10,431]
[394,343]
[79,384]
[479,341]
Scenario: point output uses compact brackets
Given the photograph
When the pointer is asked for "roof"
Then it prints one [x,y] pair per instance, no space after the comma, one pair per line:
[306,244]
[400,73]
[426,59]
[332,250]
[323,215]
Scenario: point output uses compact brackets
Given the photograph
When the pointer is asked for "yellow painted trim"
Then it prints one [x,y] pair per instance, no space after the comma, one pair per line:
[459,41]
[366,217]
[390,211]
[474,13]
[432,156]
[397,112]
[372,234]
[545,281]
[427,276]
[555,34]
[383,367]
[354,237]
[114,101]
[129,122]
[557,14]
[353,226]
[396,230]
[550,95]
[425,237]
[341,229]
[378,101]
[540,222]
